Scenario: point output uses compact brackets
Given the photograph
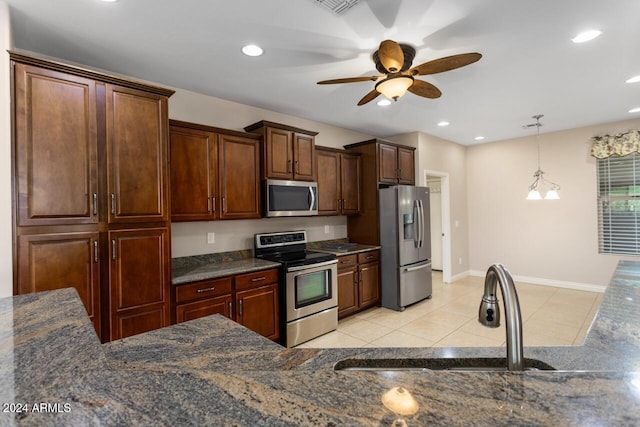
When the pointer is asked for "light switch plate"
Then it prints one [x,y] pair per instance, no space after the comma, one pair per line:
[211,238]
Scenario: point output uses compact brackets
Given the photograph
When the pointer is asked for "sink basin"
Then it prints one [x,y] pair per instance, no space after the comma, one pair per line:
[438,364]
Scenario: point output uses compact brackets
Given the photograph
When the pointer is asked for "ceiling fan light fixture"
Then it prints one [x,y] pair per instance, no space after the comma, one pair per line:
[252,50]
[443,123]
[393,87]
[384,102]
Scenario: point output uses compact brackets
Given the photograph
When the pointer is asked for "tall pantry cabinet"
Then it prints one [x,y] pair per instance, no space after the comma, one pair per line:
[91,192]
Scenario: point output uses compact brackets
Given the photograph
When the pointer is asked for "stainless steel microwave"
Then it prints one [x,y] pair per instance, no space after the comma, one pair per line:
[290,198]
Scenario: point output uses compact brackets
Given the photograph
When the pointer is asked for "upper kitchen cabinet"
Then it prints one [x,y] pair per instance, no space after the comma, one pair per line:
[339,182]
[395,163]
[56,147]
[136,155]
[288,152]
[215,173]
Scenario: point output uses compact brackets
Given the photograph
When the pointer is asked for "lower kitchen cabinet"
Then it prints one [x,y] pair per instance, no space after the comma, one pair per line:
[139,281]
[250,299]
[358,282]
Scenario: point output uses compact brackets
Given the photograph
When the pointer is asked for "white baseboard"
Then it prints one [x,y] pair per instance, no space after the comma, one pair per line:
[548,282]
[459,276]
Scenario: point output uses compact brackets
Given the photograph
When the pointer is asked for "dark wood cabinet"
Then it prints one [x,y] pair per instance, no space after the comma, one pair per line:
[139,274]
[55,147]
[358,282]
[250,299]
[383,163]
[62,260]
[215,173]
[287,153]
[339,182]
[136,155]
[90,161]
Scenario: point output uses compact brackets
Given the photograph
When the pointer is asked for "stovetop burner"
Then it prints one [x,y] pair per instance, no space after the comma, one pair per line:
[288,248]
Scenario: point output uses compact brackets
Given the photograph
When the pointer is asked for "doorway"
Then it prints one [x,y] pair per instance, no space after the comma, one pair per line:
[438,183]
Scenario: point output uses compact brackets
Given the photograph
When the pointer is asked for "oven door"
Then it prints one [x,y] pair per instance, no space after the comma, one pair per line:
[311,289]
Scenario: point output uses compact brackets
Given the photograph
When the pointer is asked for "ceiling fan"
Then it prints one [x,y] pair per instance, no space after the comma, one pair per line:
[394,60]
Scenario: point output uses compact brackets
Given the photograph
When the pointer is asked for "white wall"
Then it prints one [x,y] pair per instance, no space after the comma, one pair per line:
[190,238]
[436,154]
[6,42]
[544,241]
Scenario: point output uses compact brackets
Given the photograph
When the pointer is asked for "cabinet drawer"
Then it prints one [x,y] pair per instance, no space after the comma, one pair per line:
[203,289]
[368,257]
[347,261]
[259,278]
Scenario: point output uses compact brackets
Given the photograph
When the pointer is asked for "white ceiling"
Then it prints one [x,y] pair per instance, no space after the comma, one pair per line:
[529,63]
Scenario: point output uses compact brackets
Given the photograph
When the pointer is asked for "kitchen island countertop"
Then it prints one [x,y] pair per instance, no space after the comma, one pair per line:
[211,371]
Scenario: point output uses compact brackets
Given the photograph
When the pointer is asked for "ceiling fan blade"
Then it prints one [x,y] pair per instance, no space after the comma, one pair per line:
[348,80]
[369,97]
[424,89]
[445,64]
[391,56]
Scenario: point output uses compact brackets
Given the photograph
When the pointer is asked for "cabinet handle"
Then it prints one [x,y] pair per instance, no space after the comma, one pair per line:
[95,251]
[339,204]
[224,205]
[288,166]
[213,203]
[355,277]
[240,308]
[205,289]
[113,249]
[113,203]
[230,310]
[95,203]
[369,257]
[398,173]
[208,205]
[259,279]
[297,166]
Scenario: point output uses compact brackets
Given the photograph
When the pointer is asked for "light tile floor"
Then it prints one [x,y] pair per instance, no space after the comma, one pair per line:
[551,317]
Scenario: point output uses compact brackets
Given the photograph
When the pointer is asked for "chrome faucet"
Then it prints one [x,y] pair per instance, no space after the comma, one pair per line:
[489,313]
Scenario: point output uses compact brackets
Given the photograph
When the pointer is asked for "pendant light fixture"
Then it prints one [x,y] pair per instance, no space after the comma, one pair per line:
[539,182]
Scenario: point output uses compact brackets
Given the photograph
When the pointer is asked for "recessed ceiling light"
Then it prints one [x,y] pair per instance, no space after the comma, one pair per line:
[443,123]
[384,102]
[109,1]
[479,138]
[635,110]
[634,79]
[586,36]
[252,50]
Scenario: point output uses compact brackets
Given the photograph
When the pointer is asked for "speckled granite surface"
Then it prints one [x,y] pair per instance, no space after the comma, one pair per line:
[211,371]
[340,247]
[211,266]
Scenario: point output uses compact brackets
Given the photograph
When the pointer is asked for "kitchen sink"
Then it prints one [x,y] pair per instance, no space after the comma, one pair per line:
[437,364]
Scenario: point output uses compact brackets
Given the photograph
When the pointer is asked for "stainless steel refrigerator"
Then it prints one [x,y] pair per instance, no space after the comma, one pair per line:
[405,238]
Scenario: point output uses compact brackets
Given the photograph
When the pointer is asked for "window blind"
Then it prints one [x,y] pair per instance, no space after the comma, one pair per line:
[619,204]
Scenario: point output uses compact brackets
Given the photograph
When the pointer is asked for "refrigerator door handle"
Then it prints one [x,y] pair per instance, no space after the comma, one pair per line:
[416,223]
[421,224]
[418,267]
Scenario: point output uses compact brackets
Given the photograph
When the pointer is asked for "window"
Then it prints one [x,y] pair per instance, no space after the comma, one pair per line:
[619,204]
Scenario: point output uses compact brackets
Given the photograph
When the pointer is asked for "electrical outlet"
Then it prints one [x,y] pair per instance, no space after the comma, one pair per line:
[460,260]
[211,238]
[326,229]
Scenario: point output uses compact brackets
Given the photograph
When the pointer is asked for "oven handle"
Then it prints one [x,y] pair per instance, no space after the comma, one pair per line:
[306,267]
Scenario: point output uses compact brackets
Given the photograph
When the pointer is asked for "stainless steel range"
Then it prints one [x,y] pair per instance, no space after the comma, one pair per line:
[308,285]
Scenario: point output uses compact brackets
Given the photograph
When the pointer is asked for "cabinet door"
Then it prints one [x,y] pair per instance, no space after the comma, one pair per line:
[239,177]
[56,147]
[303,164]
[278,154]
[388,164]
[61,260]
[406,166]
[347,291]
[207,307]
[257,309]
[328,182]
[194,174]
[138,281]
[136,155]
[350,184]
[369,291]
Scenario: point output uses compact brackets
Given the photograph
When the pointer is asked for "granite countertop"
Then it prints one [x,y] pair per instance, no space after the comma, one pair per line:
[212,371]
[340,247]
[212,266]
